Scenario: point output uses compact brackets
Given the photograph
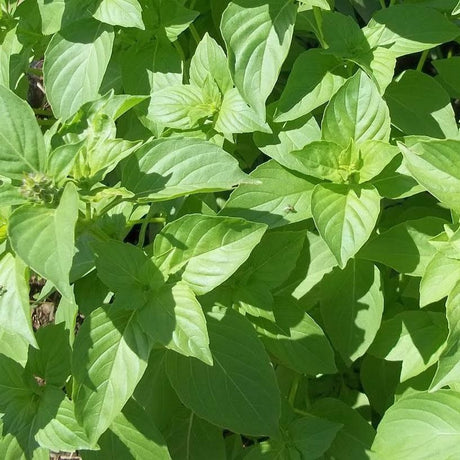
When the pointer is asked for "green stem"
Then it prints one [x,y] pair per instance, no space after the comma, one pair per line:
[422,60]
[319,26]
[153,220]
[42,122]
[111,205]
[43,112]
[195,34]
[179,50]
[294,388]
[145,224]
[382,4]
[88,211]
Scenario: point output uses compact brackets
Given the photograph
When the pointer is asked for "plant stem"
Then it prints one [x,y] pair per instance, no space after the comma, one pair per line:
[319,26]
[145,224]
[88,211]
[195,34]
[382,4]
[111,205]
[179,50]
[294,388]
[422,60]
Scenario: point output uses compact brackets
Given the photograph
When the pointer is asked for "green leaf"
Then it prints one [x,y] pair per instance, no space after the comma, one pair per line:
[135,429]
[22,149]
[375,156]
[193,438]
[14,299]
[354,440]
[321,261]
[235,116]
[322,159]
[283,197]
[174,318]
[168,168]
[258,37]
[379,379]
[398,28]
[241,389]
[286,138]
[296,340]
[449,74]
[210,61]
[273,259]
[430,115]
[421,425]
[14,59]
[124,13]
[345,217]
[63,431]
[439,278]
[405,247]
[44,238]
[434,165]
[313,436]
[352,307]
[448,371]
[75,62]
[414,337]
[51,362]
[315,77]
[170,17]
[356,111]
[180,106]
[126,268]
[109,357]
[208,249]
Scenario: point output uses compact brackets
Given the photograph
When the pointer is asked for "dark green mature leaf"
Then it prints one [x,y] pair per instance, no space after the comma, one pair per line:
[414,337]
[208,249]
[22,149]
[354,440]
[449,75]
[379,379]
[283,197]
[352,307]
[168,168]
[109,357]
[399,29]
[174,318]
[258,36]
[315,77]
[358,112]
[126,269]
[241,391]
[296,340]
[192,438]
[405,247]
[434,164]
[51,362]
[345,217]
[75,62]
[421,425]
[419,105]
[44,238]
